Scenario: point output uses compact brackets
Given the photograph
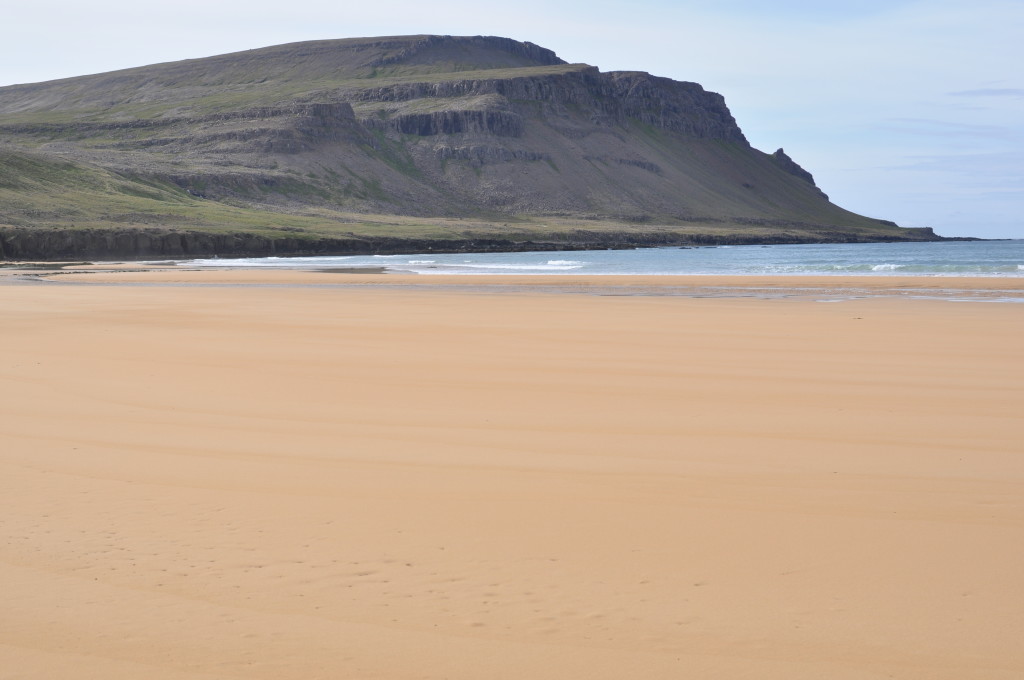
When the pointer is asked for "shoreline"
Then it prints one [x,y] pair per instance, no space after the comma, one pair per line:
[981,288]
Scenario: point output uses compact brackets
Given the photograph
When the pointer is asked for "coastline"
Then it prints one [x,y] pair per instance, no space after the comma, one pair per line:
[61,242]
[297,474]
[938,287]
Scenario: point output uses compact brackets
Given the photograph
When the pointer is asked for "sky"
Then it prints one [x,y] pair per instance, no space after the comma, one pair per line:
[906,110]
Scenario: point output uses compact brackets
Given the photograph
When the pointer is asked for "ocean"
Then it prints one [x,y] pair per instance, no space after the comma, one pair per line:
[949,258]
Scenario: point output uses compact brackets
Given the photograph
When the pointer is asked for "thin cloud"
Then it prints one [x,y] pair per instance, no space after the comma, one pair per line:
[990,92]
[1006,166]
[943,128]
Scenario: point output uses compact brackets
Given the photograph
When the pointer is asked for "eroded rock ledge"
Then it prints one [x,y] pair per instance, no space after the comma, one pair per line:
[60,244]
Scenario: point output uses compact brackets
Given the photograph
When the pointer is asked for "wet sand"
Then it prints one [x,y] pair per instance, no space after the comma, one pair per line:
[135,272]
[397,478]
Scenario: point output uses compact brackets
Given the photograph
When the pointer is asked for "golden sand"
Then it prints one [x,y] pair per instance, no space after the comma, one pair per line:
[423,481]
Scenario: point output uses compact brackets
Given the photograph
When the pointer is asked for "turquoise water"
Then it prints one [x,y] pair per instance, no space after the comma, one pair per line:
[954,258]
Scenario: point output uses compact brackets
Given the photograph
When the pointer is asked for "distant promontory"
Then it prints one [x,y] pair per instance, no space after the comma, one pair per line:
[394,144]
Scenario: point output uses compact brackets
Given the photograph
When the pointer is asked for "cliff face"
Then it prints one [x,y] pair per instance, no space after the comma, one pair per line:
[680,107]
[611,99]
[431,126]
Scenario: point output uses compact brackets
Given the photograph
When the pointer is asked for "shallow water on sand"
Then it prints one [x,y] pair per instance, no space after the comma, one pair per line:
[956,258]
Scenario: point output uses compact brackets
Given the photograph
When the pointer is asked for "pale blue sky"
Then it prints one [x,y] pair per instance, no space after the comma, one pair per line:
[903,110]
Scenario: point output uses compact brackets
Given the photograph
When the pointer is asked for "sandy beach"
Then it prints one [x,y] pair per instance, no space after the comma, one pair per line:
[295,475]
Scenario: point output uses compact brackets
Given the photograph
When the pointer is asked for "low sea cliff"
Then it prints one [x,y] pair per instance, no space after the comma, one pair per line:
[59,244]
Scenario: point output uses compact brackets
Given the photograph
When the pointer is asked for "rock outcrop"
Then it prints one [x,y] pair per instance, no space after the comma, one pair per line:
[60,244]
[789,165]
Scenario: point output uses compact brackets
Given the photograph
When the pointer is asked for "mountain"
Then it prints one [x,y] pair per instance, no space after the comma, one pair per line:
[390,144]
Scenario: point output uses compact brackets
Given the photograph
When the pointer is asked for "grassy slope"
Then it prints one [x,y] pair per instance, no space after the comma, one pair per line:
[140,99]
[38,191]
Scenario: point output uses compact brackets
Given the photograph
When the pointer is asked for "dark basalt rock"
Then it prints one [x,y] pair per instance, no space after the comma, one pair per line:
[789,165]
[481,155]
[498,123]
[671,105]
[60,244]
[613,98]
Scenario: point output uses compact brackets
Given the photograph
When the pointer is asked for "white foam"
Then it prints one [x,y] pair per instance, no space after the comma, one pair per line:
[885,267]
[422,261]
[489,268]
[565,262]
[523,267]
